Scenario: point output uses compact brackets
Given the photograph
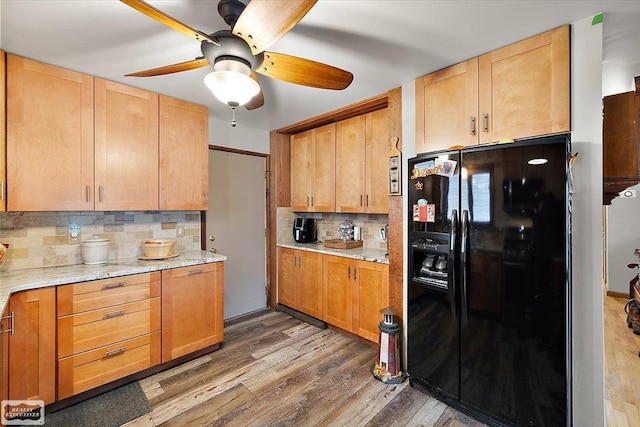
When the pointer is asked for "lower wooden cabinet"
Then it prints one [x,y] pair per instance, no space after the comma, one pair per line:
[103,330]
[107,329]
[354,293]
[371,294]
[5,325]
[300,281]
[339,277]
[192,309]
[32,346]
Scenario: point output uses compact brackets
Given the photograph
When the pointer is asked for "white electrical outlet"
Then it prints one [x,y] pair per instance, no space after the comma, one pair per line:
[180,231]
[73,236]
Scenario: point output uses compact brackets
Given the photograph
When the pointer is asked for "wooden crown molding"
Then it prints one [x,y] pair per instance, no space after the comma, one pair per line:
[372,104]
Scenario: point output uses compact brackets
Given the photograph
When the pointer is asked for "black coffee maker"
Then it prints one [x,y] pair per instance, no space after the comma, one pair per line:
[304,230]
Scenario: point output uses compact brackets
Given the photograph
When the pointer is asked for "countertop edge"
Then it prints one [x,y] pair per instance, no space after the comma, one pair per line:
[36,278]
[363,254]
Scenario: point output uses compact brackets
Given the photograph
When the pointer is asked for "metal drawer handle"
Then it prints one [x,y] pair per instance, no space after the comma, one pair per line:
[114,285]
[10,318]
[115,351]
[116,313]
[198,271]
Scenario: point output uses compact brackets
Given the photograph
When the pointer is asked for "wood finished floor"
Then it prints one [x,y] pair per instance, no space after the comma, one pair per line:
[622,366]
[275,370]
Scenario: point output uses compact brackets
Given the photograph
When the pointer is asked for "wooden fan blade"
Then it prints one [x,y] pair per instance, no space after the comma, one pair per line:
[258,100]
[264,22]
[175,68]
[303,72]
[147,9]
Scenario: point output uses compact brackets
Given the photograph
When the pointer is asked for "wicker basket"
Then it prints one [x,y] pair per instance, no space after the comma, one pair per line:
[158,248]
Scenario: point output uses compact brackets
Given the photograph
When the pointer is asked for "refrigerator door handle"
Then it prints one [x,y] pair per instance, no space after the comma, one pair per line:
[453,261]
[463,264]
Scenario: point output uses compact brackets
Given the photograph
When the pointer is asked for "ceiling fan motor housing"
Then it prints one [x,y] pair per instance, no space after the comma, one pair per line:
[231,46]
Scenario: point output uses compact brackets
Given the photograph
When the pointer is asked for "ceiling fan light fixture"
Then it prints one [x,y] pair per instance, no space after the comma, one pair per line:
[231,82]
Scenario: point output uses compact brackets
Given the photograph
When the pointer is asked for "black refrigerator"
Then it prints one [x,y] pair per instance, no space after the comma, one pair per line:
[488,319]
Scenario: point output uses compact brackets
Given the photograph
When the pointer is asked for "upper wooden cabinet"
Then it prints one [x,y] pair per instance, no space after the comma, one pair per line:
[3,137]
[184,158]
[518,91]
[313,178]
[49,137]
[126,147]
[620,134]
[120,149]
[361,164]
[447,107]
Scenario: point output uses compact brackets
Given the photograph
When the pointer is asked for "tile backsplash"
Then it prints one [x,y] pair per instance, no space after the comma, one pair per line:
[327,225]
[40,239]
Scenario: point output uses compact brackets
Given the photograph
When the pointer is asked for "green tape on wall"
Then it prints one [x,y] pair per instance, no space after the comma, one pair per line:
[597,19]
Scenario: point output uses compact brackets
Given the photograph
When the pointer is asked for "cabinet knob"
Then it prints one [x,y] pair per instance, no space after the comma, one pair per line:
[212,239]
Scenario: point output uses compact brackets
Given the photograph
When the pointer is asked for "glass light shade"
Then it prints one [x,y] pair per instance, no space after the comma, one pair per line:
[231,87]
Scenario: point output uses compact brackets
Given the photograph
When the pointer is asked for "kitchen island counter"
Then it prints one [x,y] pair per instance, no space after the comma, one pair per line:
[34,278]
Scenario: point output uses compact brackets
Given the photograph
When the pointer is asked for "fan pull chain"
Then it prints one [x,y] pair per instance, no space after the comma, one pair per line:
[233,117]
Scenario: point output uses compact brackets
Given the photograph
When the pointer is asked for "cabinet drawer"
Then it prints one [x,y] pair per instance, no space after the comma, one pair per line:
[96,294]
[177,273]
[98,328]
[91,369]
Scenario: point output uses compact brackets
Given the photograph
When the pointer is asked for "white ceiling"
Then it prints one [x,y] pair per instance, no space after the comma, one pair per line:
[385,44]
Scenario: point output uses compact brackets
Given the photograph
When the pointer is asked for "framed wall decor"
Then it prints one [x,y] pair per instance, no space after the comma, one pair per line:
[395,168]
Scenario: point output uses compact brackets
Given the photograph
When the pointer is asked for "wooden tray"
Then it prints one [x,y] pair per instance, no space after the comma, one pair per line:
[341,244]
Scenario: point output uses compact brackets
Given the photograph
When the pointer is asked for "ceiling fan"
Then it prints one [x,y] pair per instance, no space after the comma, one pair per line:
[239,53]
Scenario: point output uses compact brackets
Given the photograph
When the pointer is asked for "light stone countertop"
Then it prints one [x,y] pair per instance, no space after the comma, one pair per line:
[364,254]
[33,278]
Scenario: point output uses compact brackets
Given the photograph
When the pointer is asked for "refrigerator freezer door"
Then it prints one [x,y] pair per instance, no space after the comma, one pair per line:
[512,353]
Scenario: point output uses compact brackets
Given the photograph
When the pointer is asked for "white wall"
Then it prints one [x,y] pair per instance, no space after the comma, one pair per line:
[623,237]
[241,137]
[587,243]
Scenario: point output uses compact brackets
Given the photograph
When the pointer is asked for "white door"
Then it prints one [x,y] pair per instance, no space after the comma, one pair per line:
[237,219]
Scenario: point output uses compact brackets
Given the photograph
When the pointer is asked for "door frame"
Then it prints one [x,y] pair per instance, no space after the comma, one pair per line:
[268,224]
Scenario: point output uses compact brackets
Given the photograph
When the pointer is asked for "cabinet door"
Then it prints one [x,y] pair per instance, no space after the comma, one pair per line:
[324,169]
[192,309]
[309,287]
[301,171]
[32,349]
[350,165]
[447,107]
[377,162]
[524,88]
[184,157]
[371,295]
[287,276]
[4,353]
[338,291]
[49,137]
[3,120]
[126,147]
[620,130]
